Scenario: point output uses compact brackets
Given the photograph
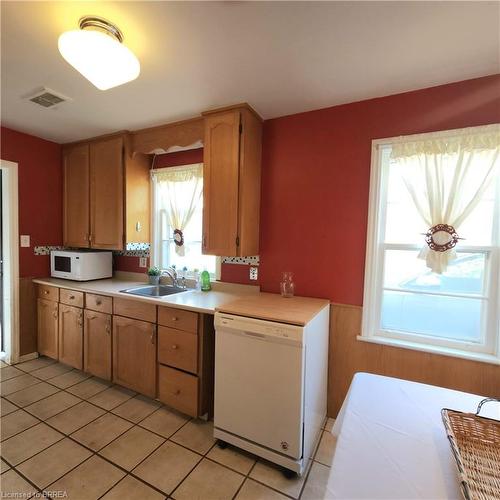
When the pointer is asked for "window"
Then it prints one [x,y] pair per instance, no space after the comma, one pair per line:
[446,302]
[177,219]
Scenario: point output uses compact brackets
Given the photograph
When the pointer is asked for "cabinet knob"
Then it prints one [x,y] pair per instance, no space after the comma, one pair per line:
[174,318]
[108,327]
[153,331]
[46,292]
[71,297]
[98,302]
[174,346]
[177,392]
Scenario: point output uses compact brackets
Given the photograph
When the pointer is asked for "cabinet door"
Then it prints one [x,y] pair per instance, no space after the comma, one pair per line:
[97,344]
[137,198]
[220,183]
[76,196]
[47,328]
[134,355]
[71,336]
[106,194]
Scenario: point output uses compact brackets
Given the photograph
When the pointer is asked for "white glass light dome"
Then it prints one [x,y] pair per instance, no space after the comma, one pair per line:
[97,53]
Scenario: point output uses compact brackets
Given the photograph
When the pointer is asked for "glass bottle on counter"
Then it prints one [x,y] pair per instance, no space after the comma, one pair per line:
[287,286]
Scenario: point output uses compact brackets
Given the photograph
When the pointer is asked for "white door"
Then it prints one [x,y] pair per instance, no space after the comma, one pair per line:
[258,387]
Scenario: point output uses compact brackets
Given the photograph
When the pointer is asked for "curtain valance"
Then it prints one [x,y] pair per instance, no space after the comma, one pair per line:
[465,140]
[183,173]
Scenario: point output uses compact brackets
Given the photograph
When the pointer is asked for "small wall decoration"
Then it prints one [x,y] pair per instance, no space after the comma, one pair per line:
[178,237]
[441,228]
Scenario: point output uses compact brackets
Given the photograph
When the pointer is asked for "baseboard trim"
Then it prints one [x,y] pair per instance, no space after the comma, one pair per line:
[27,357]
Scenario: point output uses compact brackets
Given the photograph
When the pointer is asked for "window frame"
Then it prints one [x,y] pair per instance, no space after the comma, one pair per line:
[155,224]
[376,247]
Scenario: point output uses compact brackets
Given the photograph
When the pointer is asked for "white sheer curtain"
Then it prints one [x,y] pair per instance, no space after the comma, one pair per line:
[446,176]
[179,191]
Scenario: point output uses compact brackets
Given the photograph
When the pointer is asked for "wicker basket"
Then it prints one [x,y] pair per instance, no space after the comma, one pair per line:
[475,442]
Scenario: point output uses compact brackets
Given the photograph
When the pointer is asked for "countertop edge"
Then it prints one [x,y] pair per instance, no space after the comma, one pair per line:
[148,300]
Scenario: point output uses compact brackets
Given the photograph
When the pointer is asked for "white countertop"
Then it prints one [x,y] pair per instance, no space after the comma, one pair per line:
[392,443]
[203,302]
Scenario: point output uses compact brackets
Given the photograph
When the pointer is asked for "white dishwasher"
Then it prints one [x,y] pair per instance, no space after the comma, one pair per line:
[270,386]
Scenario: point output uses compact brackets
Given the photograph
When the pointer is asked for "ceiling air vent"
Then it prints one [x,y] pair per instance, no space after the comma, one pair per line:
[47,98]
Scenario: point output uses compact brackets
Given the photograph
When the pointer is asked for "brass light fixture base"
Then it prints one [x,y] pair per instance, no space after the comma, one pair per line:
[101,24]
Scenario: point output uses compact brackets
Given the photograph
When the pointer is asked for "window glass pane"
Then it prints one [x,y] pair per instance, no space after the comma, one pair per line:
[403,223]
[465,275]
[477,229]
[443,317]
[193,258]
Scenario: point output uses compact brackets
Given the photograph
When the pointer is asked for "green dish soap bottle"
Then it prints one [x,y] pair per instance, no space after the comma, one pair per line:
[205,282]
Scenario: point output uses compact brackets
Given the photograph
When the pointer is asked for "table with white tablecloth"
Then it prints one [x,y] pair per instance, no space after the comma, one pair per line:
[391,442]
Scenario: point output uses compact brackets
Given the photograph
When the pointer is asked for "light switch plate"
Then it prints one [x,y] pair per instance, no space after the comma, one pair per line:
[254,273]
[25,240]
[143,262]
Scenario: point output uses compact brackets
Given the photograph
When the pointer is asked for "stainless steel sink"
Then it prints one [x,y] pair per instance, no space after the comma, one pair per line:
[154,290]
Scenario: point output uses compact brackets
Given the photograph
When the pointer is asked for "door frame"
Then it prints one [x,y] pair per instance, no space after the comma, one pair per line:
[10,250]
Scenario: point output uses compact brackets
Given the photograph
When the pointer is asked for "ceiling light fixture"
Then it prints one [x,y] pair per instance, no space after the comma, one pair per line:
[97,52]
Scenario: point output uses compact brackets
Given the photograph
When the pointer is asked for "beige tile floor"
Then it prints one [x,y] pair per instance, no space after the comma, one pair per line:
[62,430]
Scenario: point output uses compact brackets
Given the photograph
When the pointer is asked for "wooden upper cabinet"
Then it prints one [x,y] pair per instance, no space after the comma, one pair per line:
[137,197]
[106,193]
[220,183]
[231,182]
[76,228]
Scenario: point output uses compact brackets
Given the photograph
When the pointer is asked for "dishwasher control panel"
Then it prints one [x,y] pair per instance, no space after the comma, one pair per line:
[258,328]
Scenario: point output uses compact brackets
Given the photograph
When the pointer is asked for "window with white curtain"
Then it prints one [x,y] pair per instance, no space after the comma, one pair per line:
[428,193]
[177,219]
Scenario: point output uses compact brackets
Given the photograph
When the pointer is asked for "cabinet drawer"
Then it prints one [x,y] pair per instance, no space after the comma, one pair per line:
[178,349]
[98,303]
[178,390]
[178,319]
[48,292]
[134,309]
[71,297]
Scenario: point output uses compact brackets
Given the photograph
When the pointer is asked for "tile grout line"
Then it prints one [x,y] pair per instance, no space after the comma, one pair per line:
[20,474]
[136,424]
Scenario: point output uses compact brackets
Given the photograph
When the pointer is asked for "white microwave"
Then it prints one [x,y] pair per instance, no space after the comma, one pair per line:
[81,265]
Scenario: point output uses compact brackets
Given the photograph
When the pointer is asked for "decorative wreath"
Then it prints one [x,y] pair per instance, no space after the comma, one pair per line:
[178,237]
[429,237]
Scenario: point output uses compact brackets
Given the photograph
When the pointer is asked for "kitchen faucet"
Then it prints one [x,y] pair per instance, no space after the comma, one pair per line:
[172,274]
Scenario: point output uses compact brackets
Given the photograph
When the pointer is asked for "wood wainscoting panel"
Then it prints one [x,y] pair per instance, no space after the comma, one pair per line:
[347,356]
[27,316]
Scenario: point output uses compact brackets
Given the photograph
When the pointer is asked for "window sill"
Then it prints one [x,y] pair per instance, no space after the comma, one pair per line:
[443,351]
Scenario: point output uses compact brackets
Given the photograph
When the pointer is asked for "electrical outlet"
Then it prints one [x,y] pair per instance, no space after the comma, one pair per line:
[254,273]
[143,262]
[25,240]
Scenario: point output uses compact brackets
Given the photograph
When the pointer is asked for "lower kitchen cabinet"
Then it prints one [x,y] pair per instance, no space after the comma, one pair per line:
[178,390]
[97,344]
[134,355]
[71,336]
[47,321]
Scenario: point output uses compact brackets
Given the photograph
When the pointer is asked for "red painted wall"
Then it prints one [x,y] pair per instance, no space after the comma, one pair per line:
[315,180]
[40,195]
[179,158]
